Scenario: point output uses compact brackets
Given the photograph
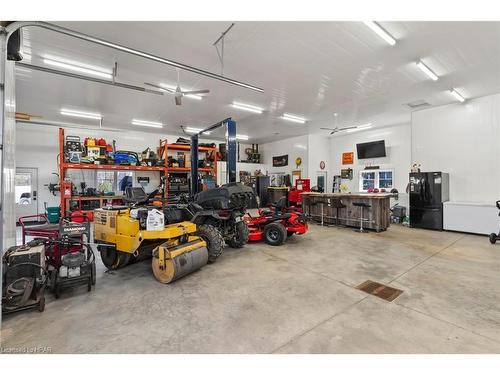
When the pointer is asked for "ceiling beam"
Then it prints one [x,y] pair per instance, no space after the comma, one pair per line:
[62,30]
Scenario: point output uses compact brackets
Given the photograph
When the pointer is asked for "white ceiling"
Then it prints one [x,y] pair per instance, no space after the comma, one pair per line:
[311,69]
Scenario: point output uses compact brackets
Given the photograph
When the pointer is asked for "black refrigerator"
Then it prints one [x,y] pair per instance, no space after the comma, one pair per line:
[428,191]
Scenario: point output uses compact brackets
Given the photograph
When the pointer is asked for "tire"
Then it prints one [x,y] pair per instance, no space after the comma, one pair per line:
[274,234]
[57,291]
[493,238]
[41,304]
[53,280]
[93,273]
[112,258]
[241,234]
[214,240]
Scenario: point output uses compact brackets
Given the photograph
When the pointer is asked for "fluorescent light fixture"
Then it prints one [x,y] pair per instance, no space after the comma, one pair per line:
[78,67]
[359,127]
[380,32]
[151,124]
[89,115]
[457,96]
[247,107]
[293,118]
[424,68]
[191,96]
[189,129]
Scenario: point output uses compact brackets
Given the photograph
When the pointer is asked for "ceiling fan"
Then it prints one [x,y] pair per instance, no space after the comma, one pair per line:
[178,93]
[337,129]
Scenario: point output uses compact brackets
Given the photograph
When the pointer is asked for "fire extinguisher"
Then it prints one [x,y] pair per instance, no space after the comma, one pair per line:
[67,189]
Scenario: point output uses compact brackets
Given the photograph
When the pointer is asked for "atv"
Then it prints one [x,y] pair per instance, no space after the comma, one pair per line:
[275,224]
[219,210]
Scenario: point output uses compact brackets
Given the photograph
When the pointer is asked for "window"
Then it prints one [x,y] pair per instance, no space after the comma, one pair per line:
[23,188]
[105,181]
[385,180]
[113,181]
[124,180]
[376,179]
[367,180]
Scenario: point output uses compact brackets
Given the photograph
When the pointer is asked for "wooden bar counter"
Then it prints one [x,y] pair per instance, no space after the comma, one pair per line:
[376,217]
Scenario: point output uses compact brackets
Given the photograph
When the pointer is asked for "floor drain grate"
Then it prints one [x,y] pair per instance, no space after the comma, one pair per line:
[380,290]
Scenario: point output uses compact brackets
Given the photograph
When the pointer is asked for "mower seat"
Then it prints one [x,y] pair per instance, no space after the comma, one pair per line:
[137,195]
[280,205]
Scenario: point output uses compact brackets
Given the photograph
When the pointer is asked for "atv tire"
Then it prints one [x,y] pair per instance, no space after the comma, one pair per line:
[275,234]
[493,238]
[241,234]
[214,240]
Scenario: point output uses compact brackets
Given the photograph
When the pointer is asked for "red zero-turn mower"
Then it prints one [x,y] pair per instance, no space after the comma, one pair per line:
[275,224]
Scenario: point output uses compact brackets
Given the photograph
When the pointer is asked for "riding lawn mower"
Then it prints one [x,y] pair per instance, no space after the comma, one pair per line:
[275,224]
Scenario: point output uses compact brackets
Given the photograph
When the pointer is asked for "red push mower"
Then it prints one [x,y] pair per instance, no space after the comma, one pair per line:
[275,224]
[493,236]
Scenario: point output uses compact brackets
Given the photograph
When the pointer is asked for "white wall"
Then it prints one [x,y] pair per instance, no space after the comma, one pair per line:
[463,140]
[319,150]
[293,147]
[37,146]
[397,142]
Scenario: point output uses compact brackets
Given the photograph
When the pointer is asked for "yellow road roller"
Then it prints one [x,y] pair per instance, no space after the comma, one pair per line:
[122,236]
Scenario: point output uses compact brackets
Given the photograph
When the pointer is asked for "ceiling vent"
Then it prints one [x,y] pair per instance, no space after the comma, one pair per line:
[417,104]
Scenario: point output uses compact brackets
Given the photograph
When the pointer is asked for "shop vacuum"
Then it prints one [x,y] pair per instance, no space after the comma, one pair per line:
[24,277]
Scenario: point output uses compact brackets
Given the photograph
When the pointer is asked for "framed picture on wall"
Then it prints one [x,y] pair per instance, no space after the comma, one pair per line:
[347,158]
[280,161]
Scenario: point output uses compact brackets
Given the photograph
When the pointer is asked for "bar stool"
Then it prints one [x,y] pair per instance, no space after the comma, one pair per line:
[362,205]
[337,203]
[314,204]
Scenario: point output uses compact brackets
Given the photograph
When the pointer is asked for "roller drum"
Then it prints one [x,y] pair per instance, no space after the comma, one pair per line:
[178,264]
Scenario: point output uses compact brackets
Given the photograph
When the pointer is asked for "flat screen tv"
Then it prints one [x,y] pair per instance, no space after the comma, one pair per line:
[370,150]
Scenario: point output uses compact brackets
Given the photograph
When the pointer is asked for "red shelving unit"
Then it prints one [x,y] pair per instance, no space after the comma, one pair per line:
[164,148]
[186,169]
[63,166]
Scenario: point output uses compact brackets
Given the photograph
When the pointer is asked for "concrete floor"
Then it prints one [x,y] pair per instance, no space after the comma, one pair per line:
[298,298]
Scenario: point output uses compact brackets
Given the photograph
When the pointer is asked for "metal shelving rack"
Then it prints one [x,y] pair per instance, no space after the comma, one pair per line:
[187,148]
[64,166]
